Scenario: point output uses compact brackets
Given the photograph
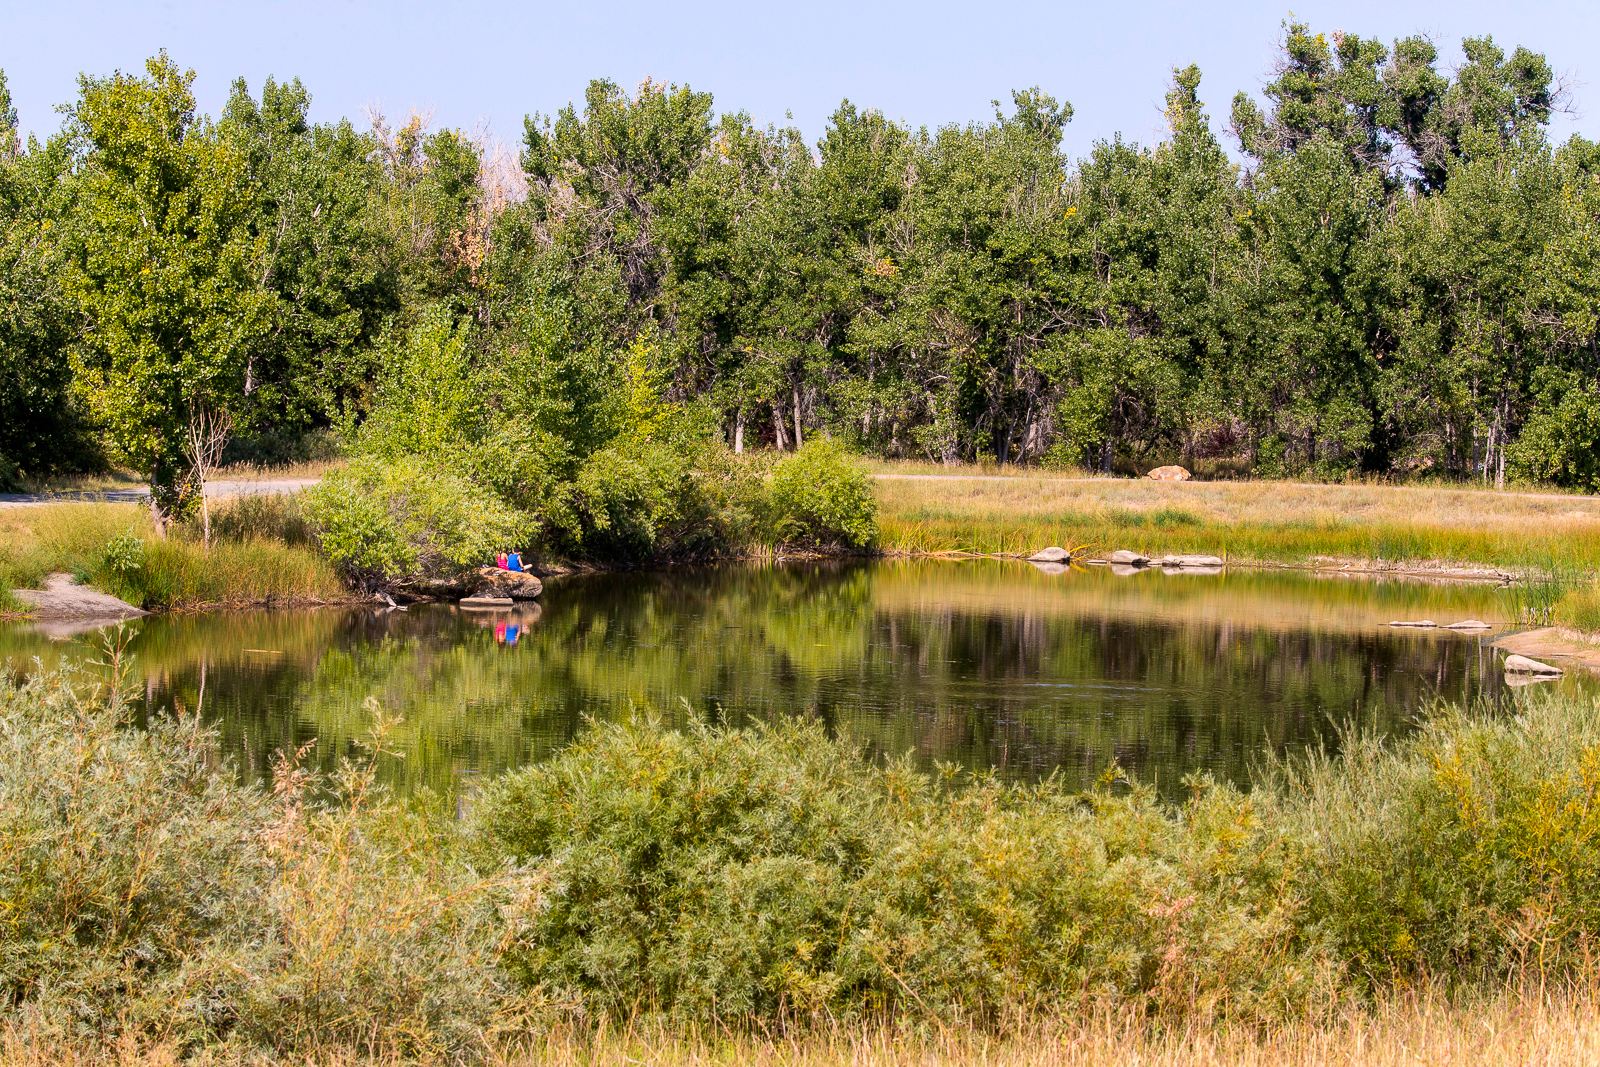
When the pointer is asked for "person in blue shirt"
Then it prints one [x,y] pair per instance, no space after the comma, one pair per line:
[514,561]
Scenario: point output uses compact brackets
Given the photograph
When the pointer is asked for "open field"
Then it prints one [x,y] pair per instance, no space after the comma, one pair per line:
[1375,526]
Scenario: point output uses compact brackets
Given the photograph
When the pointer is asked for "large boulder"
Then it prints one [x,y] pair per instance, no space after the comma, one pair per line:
[1050,555]
[1130,559]
[512,585]
[1170,473]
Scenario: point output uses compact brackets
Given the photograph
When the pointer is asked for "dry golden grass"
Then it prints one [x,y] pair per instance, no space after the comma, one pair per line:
[1508,1031]
[979,510]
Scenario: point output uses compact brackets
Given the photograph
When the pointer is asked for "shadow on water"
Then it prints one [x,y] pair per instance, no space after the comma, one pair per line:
[982,663]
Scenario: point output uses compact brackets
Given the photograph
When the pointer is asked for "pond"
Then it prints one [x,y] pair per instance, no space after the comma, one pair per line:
[983,663]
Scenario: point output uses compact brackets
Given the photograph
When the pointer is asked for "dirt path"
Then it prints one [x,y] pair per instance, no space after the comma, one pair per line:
[216,490]
[64,599]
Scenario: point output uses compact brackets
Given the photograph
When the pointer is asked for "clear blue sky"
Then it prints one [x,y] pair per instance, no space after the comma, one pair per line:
[924,63]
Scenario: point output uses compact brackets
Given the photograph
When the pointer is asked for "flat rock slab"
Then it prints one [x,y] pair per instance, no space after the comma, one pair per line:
[1468,624]
[1189,561]
[1417,624]
[1053,554]
[1130,558]
[63,598]
[487,603]
[1523,665]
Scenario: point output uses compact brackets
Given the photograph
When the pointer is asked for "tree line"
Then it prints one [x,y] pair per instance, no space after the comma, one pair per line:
[1400,275]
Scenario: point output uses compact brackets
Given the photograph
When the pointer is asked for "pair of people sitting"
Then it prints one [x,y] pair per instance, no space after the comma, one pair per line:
[509,561]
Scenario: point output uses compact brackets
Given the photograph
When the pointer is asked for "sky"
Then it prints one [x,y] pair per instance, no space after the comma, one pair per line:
[931,63]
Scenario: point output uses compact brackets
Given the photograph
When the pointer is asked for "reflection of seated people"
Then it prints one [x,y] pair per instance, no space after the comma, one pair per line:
[506,633]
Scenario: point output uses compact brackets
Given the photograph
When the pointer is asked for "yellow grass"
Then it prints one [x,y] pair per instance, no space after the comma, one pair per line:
[177,572]
[1282,522]
[1507,1031]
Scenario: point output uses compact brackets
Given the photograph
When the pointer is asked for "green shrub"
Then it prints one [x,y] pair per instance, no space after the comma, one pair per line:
[145,893]
[820,497]
[380,520]
[727,873]
[1467,852]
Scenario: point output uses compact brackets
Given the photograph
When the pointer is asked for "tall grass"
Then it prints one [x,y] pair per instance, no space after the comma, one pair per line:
[731,883]
[261,552]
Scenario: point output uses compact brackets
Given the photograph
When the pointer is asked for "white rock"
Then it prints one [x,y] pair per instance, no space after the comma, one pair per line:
[1469,624]
[1052,554]
[1132,559]
[1524,665]
[1419,624]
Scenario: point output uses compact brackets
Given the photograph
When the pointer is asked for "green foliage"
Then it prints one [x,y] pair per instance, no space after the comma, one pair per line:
[1561,442]
[123,555]
[821,497]
[1465,852]
[165,268]
[379,520]
[158,898]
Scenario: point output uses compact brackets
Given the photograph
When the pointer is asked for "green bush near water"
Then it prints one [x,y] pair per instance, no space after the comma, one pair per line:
[768,877]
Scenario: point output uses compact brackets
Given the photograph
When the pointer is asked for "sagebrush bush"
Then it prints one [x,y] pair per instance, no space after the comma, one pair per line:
[821,497]
[1470,851]
[737,874]
[145,892]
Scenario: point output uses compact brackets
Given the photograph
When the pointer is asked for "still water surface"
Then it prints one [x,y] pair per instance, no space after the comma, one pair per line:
[983,663]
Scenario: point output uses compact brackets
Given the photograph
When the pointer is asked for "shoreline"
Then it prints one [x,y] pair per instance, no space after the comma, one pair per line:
[61,602]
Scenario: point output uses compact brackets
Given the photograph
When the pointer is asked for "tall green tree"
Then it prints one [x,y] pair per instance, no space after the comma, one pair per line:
[166,271]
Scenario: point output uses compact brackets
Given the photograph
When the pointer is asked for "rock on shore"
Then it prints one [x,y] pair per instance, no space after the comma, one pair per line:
[64,598]
[510,585]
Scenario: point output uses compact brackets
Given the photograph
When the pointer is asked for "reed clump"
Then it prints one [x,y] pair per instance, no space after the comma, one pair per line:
[757,893]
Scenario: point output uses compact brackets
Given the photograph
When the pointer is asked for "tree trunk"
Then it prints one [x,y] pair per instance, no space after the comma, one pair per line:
[798,438]
[777,426]
[738,432]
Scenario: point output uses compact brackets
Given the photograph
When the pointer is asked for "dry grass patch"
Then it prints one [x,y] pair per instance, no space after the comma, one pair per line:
[1279,522]
[1511,1030]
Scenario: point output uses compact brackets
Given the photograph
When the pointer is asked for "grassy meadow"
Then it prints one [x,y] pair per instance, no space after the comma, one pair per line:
[923,510]
[260,551]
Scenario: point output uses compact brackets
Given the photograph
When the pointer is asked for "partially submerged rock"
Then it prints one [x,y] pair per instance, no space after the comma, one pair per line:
[1053,554]
[1523,665]
[1468,624]
[1416,624]
[487,603]
[1130,558]
[517,585]
[1170,473]
[1189,561]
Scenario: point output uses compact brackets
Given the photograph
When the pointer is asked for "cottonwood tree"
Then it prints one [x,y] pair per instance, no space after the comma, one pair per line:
[165,271]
